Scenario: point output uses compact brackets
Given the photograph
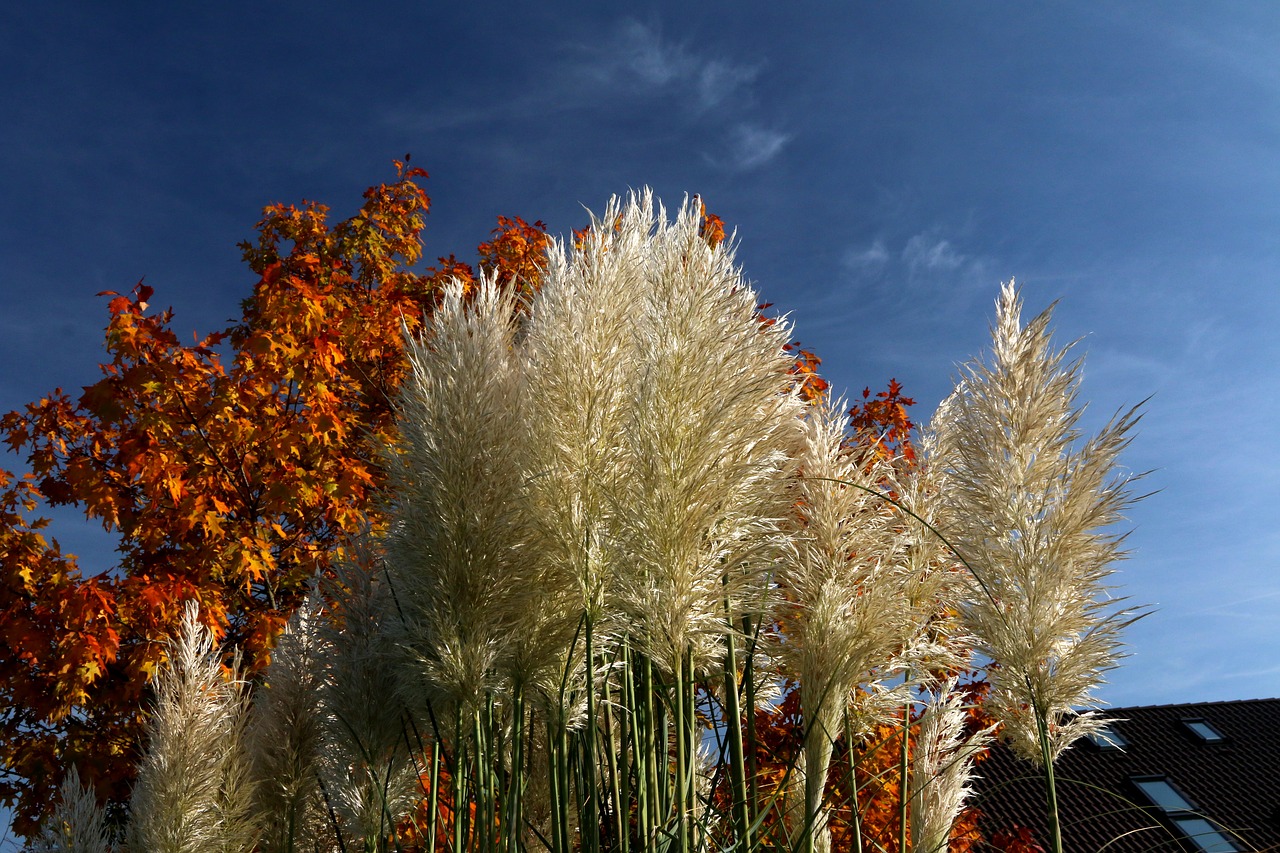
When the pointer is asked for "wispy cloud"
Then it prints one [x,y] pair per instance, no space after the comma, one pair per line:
[638,57]
[639,60]
[641,52]
[687,93]
[751,146]
[629,60]
[718,80]
[873,257]
[925,252]
[921,277]
[923,256]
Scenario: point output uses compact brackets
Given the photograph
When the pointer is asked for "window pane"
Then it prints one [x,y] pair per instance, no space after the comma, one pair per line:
[1204,731]
[1204,836]
[1107,738]
[1162,795]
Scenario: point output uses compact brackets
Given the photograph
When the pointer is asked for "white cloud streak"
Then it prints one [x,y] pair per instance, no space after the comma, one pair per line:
[873,257]
[639,57]
[925,252]
[751,146]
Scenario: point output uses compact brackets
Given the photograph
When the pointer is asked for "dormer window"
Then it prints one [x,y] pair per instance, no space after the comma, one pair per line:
[1202,730]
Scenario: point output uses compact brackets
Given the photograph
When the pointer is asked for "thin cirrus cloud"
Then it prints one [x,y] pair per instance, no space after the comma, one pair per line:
[871,258]
[631,60]
[921,253]
[925,253]
[638,57]
[751,146]
[629,64]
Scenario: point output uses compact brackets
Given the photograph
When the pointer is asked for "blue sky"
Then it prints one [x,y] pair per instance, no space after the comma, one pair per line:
[885,165]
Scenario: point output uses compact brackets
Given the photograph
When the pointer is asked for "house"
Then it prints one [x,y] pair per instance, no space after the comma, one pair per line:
[1201,777]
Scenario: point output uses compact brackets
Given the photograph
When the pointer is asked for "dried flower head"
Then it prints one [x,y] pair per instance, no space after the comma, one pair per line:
[1030,507]
[942,768]
[194,792]
[285,733]
[369,777]
[712,424]
[76,824]
[847,615]
[456,550]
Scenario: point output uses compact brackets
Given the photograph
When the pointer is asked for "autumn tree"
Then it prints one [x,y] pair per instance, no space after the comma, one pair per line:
[229,470]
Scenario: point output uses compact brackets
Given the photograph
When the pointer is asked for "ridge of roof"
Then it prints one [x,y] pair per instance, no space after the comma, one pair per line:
[1110,711]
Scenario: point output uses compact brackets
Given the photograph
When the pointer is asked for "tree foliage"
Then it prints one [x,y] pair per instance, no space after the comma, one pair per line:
[229,469]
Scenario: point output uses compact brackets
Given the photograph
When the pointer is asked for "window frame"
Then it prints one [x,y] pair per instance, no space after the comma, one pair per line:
[1209,839]
[1187,808]
[1211,733]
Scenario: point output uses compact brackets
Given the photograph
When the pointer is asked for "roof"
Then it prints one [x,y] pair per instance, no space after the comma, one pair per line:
[1234,783]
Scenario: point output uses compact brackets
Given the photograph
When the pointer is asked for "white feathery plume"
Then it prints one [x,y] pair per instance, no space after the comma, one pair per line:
[846,614]
[76,825]
[285,734]
[941,769]
[713,424]
[1028,508]
[581,352]
[938,582]
[580,348]
[193,791]
[369,778]
[457,548]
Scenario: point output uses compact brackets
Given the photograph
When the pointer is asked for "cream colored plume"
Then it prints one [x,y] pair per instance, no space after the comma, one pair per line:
[286,727]
[941,769]
[846,581]
[581,359]
[1031,506]
[193,792]
[456,551]
[369,776]
[711,427]
[76,824]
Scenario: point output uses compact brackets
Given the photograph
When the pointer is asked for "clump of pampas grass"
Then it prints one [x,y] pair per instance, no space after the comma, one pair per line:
[285,733]
[942,768]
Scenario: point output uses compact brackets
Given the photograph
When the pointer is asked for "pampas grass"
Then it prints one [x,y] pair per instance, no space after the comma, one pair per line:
[456,548]
[942,768]
[846,610]
[713,426]
[285,734]
[194,792]
[77,823]
[365,764]
[612,531]
[1031,509]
